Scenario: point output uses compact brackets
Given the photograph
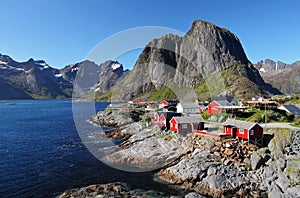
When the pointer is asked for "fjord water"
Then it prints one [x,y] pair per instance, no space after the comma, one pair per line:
[41,153]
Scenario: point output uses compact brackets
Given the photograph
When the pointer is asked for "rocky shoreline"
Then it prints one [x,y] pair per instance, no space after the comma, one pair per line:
[205,165]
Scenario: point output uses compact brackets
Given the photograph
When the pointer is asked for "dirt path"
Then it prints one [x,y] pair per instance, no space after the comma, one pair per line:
[279,125]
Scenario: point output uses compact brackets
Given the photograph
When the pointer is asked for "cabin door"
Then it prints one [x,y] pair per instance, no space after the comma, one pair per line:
[233,131]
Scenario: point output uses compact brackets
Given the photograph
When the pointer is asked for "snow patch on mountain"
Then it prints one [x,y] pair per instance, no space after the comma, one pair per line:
[262,70]
[3,63]
[115,66]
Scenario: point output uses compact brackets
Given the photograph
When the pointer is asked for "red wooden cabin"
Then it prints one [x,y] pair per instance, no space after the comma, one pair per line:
[244,130]
[168,103]
[213,107]
[186,124]
[155,121]
[162,118]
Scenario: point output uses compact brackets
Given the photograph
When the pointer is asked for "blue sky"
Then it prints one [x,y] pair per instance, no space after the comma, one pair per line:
[64,31]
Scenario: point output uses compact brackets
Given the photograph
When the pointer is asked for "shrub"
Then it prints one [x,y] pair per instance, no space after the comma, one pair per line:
[297,122]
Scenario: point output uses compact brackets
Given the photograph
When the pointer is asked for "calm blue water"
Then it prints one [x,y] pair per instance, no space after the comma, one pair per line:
[41,153]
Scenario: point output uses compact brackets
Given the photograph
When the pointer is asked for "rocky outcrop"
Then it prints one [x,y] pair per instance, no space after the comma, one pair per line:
[117,118]
[209,166]
[277,73]
[204,171]
[269,171]
[149,149]
[206,55]
[102,190]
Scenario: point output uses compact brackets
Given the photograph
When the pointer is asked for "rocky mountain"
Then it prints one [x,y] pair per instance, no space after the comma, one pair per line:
[36,79]
[90,77]
[207,61]
[285,77]
[30,79]
[110,75]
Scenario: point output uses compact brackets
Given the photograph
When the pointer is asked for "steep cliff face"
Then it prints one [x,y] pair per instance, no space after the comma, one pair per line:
[285,77]
[111,72]
[208,60]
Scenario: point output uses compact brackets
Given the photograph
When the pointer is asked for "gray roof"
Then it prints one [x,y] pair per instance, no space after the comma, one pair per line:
[189,105]
[227,98]
[293,109]
[189,119]
[223,102]
[168,114]
[239,123]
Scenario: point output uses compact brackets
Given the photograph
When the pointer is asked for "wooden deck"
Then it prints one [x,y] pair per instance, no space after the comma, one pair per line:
[213,134]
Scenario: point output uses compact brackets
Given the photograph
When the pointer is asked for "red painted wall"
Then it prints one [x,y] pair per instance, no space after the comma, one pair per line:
[156,117]
[173,125]
[162,120]
[242,133]
[165,103]
[211,108]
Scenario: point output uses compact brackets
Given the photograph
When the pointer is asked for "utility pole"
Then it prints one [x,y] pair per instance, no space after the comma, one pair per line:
[265,114]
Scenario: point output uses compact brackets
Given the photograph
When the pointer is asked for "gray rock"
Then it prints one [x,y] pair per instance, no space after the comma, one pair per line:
[194,195]
[281,164]
[283,181]
[149,150]
[275,191]
[255,160]
[294,191]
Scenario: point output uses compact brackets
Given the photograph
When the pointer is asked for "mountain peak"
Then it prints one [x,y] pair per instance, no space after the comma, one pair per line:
[218,40]
[205,55]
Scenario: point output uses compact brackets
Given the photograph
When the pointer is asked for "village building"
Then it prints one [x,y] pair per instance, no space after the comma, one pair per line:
[252,132]
[230,99]
[151,106]
[266,104]
[215,106]
[186,124]
[168,103]
[291,109]
[162,118]
[137,101]
[188,107]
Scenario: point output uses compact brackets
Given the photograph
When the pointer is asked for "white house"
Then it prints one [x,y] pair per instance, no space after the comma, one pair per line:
[291,109]
[188,107]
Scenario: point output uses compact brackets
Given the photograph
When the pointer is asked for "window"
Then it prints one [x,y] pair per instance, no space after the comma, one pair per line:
[251,132]
[184,126]
[241,131]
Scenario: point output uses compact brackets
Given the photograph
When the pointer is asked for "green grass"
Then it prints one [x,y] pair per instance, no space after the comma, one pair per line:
[146,120]
[296,122]
[103,97]
[205,115]
[163,94]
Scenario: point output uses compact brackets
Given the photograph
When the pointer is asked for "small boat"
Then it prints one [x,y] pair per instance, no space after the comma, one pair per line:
[10,103]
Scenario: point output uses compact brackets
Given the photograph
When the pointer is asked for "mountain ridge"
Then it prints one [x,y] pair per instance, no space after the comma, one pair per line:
[277,73]
[35,79]
[207,56]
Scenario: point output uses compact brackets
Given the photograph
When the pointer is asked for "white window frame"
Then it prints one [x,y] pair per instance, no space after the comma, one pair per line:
[184,126]
[251,132]
[241,131]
